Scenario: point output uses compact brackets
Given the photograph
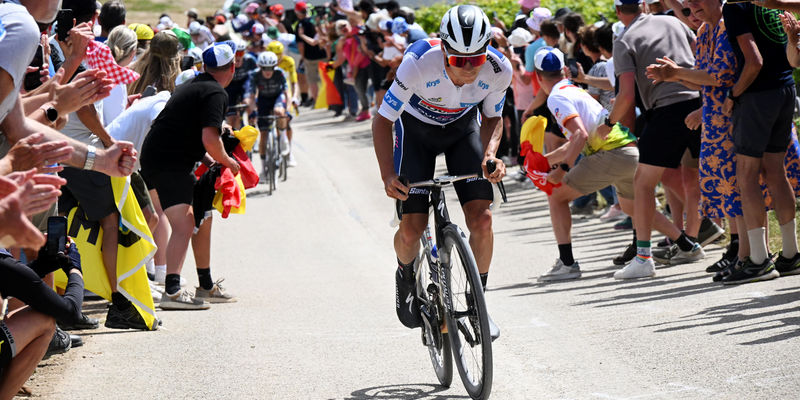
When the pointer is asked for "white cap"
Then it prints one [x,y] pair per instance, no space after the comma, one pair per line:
[538,15]
[217,55]
[618,28]
[194,28]
[185,76]
[549,59]
[520,37]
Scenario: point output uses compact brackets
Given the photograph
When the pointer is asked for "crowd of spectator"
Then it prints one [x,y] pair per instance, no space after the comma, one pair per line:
[711,109]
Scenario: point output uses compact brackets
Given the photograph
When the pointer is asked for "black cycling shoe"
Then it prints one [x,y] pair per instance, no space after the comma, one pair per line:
[84,323]
[61,343]
[125,319]
[406,302]
[626,256]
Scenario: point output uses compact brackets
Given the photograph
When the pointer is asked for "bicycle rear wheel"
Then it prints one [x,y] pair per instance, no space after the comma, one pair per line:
[434,339]
[467,320]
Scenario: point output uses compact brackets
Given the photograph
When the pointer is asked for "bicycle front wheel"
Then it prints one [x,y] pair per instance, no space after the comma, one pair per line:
[467,320]
[434,339]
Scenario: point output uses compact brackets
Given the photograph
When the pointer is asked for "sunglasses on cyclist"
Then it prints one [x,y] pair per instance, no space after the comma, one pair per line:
[460,61]
[239,53]
[268,68]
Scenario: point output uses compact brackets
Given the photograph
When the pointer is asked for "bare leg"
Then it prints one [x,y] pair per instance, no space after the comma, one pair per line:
[560,215]
[110,225]
[674,192]
[181,220]
[406,240]
[645,180]
[32,333]
[691,204]
[481,238]
[201,245]
[161,233]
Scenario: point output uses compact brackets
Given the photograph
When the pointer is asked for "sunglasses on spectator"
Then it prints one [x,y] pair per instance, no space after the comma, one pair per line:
[460,61]
[686,12]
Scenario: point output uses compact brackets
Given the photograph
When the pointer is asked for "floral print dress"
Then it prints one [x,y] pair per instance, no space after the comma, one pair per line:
[719,193]
[714,54]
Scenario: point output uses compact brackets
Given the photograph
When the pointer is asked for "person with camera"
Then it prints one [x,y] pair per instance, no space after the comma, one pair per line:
[26,332]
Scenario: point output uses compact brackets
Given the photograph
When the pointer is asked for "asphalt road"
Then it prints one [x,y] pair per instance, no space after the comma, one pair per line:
[313,268]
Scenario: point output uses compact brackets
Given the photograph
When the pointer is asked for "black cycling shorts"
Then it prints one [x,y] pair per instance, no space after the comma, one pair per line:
[416,145]
[8,348]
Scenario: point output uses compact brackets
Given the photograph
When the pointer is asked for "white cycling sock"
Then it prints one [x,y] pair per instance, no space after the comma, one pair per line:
[758,245]
[161,268]
[150,266]
[789,236]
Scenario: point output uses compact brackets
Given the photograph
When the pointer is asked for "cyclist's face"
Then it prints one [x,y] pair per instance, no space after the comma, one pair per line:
[267,72]
[463,75]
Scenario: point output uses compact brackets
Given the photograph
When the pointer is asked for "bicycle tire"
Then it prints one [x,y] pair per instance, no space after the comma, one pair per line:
[461,274]
[284,169]
[441,356]
[273,153]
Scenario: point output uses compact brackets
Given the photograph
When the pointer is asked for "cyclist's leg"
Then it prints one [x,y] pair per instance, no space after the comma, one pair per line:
[415,160]
[464,155]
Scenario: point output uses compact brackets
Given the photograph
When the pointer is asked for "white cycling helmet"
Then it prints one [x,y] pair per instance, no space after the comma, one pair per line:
[267,59]
[465,29]
[241,45]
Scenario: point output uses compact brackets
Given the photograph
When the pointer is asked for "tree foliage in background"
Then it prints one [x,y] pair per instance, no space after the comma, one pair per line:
[431,16]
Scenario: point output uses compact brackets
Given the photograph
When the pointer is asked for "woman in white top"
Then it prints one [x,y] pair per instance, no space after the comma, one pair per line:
[123,42]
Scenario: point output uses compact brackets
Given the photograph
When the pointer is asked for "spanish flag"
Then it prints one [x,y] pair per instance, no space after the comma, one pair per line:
[136,246]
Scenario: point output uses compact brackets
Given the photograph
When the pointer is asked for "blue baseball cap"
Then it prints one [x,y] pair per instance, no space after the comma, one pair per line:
[218,55]
[549,59]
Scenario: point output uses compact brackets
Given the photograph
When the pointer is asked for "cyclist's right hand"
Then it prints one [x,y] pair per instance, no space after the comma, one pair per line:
[395,188]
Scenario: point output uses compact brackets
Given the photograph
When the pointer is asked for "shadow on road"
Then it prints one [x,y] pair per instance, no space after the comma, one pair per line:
[414,391]
[773,324]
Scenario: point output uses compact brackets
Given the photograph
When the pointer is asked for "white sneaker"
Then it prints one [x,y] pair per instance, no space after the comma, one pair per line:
[156,291]
[291,162]
[183,300]
[637,269]
[284,144]
[614,213]
[560,272]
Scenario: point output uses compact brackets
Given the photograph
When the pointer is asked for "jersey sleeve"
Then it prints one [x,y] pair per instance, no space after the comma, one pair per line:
[494,101]
[401,90]
[562,109]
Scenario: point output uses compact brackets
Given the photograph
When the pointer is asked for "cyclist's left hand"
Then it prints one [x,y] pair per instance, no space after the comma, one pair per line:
[498,173]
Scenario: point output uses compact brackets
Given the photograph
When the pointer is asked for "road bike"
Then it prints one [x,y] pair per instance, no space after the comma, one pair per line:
[450,294]
[275,161]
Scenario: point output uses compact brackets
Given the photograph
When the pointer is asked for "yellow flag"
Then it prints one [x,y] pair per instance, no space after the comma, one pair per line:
[136,246]
[533,132]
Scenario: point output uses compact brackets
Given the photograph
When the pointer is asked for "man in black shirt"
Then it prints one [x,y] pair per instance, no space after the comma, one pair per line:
[187,131]
[308,45]
[762,106]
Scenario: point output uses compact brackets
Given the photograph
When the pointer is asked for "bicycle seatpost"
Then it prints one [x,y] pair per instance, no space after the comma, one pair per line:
[491,167]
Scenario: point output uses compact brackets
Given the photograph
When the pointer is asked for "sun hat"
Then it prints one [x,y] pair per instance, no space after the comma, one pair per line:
[538,15]
[399,25]
[520,37]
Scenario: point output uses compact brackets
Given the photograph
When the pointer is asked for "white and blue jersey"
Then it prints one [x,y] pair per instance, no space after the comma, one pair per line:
[421,87]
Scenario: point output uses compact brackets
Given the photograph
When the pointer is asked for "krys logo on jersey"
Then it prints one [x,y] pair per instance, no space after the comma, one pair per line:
[432,83]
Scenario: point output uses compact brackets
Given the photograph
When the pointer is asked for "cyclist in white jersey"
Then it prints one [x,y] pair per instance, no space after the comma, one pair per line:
[447,97]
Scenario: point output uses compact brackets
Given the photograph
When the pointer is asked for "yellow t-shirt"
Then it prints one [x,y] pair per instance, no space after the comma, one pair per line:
[286,63]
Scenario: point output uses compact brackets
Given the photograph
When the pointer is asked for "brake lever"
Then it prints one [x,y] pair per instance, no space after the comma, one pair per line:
[491,167]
